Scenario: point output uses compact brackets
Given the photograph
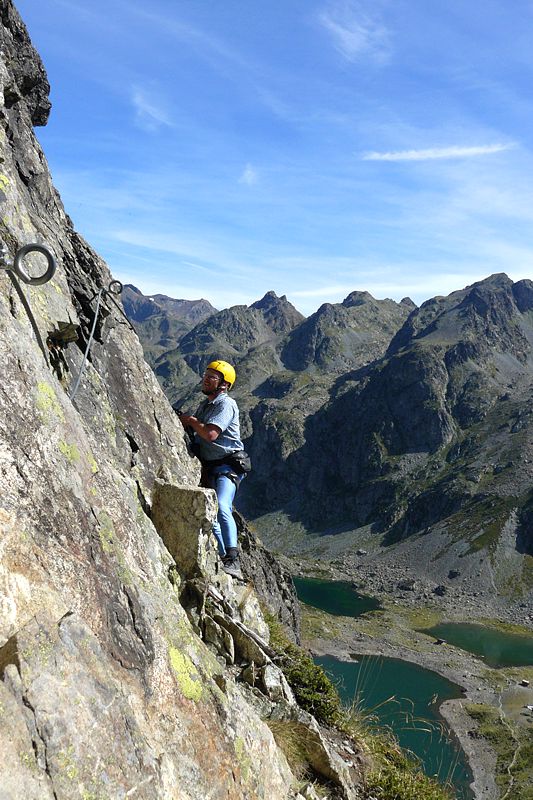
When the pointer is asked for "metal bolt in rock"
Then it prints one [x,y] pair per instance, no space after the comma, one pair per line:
[18,270]
[114,288]
[18,263]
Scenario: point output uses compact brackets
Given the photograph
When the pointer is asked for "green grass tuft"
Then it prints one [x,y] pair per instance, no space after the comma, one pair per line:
[390,783]
[312,688]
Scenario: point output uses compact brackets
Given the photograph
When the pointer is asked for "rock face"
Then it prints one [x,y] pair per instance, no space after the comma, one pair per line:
[272,582]
[118,628]
[24,77]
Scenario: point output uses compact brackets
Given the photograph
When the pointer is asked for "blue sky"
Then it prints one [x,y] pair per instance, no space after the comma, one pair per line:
[223,148]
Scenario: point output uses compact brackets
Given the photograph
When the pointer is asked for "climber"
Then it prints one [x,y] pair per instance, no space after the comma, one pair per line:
[217,442]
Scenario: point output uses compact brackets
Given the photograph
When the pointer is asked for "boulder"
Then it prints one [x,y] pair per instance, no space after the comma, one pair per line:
[183,517]
[407,585]
[275,684]
[320,751]
[247,646]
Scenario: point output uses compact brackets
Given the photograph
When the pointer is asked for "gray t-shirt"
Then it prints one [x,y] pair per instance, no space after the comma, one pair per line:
[224,413]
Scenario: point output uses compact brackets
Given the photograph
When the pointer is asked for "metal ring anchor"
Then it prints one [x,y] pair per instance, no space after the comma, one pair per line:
[16,270]
[24,276]
[115,287]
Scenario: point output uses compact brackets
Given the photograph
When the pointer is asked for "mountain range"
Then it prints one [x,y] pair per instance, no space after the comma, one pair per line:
[164,320]
[384,422]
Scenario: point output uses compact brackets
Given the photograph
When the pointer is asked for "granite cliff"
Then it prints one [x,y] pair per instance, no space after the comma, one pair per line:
[130,664]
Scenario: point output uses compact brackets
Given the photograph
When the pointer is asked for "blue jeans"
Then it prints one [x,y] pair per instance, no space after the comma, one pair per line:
[224,527]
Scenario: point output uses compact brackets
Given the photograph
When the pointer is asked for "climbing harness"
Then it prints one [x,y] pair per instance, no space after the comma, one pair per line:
[114,288]
[17,270]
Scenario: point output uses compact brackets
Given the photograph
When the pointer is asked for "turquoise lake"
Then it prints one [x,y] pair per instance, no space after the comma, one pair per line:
[334,597]
[497,648]
[412,714]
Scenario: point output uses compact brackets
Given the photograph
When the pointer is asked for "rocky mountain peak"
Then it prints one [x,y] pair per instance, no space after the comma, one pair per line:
[136,305]
[343,336]
[523,295]
[357,299]
[193,311]
[483,310]
[269,300]
[278,313]
[24,77]
[139,307]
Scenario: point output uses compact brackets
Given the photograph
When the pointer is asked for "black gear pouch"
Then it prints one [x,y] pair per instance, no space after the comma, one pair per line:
[239,461]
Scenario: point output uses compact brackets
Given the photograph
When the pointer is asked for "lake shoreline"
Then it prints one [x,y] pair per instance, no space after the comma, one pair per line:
[480,755]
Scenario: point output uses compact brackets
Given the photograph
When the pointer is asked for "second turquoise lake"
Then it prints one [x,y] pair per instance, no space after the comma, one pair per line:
[497,648]
[412,714]
[334,597]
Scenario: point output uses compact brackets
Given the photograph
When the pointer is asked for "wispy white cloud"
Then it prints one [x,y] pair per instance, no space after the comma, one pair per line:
[196,266]
[433,153]
[149,111]
[213,253]
[355,33]
[207,45]
[249,176]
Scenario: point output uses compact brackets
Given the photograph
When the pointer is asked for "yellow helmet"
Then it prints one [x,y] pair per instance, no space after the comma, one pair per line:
[225,369]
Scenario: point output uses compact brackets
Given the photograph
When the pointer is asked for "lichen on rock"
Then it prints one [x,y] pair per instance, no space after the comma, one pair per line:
[188,679]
